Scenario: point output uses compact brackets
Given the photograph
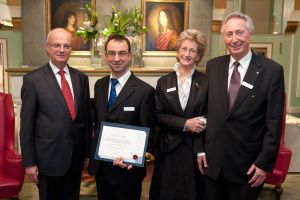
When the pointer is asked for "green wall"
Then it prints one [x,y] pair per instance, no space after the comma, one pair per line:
[295,101]
[14,46]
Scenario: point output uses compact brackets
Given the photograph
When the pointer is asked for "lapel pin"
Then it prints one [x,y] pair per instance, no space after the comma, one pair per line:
[197,85]
[257,72]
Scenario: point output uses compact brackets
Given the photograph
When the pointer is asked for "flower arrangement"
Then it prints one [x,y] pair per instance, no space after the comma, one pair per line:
[90,30]
[127,22]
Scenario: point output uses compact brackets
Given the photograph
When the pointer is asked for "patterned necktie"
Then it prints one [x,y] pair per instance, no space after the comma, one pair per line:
[67,94]
[234,86]
[113,94]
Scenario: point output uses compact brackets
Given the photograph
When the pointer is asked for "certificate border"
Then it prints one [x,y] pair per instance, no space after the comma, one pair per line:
[140,128]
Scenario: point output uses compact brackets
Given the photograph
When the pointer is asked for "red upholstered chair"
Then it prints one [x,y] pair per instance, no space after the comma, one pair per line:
[281,166]
[11,168]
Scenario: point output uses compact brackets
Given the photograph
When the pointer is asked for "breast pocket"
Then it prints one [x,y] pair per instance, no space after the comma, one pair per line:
[255,101]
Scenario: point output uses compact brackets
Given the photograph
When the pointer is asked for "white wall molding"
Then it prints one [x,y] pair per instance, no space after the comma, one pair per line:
[3,66]
[298,79]
[289,78]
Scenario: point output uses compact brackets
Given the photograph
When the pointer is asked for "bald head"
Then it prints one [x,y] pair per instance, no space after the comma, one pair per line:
[58,31]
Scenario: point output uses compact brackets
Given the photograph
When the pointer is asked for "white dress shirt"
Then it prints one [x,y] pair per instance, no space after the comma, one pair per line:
[184,85]
[244,64]
[58,77]
[122,80]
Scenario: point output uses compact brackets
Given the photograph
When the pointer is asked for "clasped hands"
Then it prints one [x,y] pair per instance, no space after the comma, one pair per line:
[196,124]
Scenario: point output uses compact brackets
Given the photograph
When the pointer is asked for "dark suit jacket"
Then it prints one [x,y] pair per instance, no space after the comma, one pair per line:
[137,94]
[171,118]
[250,132]
[48,134]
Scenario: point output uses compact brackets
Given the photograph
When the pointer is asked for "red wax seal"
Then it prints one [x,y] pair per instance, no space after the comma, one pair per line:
[135,157]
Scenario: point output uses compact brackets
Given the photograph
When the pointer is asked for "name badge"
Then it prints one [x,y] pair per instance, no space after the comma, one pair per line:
[171,89]
[129,108]
[247,85]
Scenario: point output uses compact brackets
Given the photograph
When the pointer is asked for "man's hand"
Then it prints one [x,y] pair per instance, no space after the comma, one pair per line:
[196,124]
[120,163]
[201,160]
[32,173]
[259,176]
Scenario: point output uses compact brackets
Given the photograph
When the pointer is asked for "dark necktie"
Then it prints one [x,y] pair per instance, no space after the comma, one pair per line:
[234,86]
[67,94]
[113,93]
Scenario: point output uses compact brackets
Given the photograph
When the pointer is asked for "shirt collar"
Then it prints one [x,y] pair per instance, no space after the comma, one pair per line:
[123,79]
[244,62]
[56,69]
[176,69]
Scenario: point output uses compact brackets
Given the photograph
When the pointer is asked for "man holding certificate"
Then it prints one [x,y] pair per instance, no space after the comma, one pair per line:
[120,98]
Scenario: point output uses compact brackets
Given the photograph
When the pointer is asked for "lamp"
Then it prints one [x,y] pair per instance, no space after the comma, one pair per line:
[5,17]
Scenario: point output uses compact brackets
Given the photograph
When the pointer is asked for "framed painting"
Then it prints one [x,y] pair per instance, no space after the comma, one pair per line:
[166,19]
[263,49]
[70,15]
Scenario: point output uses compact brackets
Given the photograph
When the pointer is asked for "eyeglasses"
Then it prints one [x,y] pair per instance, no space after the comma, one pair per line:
[113,54]
[191,51]
[57,46]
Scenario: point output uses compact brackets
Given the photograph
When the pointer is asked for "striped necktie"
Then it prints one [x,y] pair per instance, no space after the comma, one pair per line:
[113,93]
[234,86]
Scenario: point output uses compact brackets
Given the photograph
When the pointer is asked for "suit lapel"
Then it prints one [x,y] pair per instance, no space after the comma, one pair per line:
[76,86]
[251,76]
[196,87]
[104,97]
[223,81]
[174,83]
[127,90]
[54,87]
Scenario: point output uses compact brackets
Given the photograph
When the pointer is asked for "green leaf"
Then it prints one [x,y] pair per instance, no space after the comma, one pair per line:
[124,22]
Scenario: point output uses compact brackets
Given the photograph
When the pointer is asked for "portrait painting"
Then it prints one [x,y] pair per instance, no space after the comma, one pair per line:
[166,19]
[263,49]
[70,15]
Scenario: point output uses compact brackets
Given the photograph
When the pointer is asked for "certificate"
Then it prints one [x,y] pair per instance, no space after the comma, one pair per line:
[119,140]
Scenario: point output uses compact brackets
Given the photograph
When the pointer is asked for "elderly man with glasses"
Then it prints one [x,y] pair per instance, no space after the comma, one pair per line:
[55,122]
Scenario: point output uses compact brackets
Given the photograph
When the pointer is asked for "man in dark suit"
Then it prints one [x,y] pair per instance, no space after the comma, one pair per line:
[245,107]
[55,122]
[134,105]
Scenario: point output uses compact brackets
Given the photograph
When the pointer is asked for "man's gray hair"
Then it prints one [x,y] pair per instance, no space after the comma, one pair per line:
[247,18]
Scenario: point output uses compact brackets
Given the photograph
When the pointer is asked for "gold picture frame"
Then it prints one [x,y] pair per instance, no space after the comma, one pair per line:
[264,49]
[58,14]
[166,19]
